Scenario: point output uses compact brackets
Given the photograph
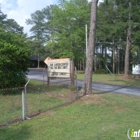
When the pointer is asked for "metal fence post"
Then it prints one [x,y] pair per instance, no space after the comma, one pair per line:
[72,72]
[23,106]
[25,90]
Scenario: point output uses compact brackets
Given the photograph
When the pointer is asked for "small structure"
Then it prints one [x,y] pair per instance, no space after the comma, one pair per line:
[36,62]
[136,67]
[59,67]
[62,69]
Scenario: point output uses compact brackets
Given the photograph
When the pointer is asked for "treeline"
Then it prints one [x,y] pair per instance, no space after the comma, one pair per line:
[59,31]
[14,53]
[118,30]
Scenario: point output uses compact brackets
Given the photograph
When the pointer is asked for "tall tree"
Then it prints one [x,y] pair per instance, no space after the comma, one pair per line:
[128,43]
[38,31]
[10,25]
[71,35]
[118,24]
[109,31]
[127,13]
[61,27]
[90,51]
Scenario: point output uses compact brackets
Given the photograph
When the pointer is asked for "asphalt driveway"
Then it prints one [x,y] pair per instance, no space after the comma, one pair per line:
[40,74]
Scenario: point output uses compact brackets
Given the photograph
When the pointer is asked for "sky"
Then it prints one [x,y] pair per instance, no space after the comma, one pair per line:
[20,10]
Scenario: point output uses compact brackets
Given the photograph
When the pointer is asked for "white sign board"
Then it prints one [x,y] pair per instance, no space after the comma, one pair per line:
[58,67]
[136,69]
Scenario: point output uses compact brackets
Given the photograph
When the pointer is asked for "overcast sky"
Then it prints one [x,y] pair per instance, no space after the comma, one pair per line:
[20,10]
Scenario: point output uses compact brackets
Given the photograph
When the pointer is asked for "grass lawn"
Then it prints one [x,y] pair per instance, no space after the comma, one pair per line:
[39,98]
[33,82]
[10,107]
[94,117]
[116,79]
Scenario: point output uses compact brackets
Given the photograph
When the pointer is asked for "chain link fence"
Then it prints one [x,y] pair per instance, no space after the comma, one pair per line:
[10,105]
[18,104]
[42,97]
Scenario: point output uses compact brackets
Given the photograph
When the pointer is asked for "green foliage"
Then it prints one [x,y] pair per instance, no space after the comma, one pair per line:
[14,59]
[38,29]
[14,54]
[61,28]
[112,27]
[10,24]
[69,21]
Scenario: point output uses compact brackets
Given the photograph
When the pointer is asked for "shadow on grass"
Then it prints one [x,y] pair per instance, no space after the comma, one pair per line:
[15,133]
[49,89]
[127,81]
[123,82]
[113,90]
[131,92]
[118,89]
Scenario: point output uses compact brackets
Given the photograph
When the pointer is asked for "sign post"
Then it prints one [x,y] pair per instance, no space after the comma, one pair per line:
[72,72]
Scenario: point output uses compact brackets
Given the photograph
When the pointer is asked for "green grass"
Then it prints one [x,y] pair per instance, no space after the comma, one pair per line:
[10,107]
[108,78]
[94,117]
[33,82]
[39,98]
[99,116]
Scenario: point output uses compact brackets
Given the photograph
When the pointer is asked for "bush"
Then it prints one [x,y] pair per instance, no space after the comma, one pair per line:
[101,71]
[14,61]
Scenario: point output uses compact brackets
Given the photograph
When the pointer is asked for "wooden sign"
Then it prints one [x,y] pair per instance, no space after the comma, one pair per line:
[58,67]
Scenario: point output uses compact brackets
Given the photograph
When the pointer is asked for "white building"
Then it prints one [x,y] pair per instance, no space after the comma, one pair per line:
[136,68]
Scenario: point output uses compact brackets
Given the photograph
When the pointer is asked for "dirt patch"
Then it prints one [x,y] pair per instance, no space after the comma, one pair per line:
[126,78]
[119,110]
[49,112]
[68,96]
[94,99]
[97,102]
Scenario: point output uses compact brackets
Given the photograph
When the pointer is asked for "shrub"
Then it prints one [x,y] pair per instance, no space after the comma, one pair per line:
[14,61]
[101,71]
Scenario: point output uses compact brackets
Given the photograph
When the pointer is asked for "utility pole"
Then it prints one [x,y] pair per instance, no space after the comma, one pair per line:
[86,40]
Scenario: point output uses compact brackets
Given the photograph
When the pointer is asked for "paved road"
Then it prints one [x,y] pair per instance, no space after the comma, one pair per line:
[40,74]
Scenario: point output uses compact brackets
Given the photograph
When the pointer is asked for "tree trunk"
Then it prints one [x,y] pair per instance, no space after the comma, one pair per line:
[128,44]
[118,61]
[80,65]
[83,64]
[90,51]
[113,53]
[105,60]
[95,63]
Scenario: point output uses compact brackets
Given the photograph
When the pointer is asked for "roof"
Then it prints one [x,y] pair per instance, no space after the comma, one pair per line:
[35,58]
[61,60]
